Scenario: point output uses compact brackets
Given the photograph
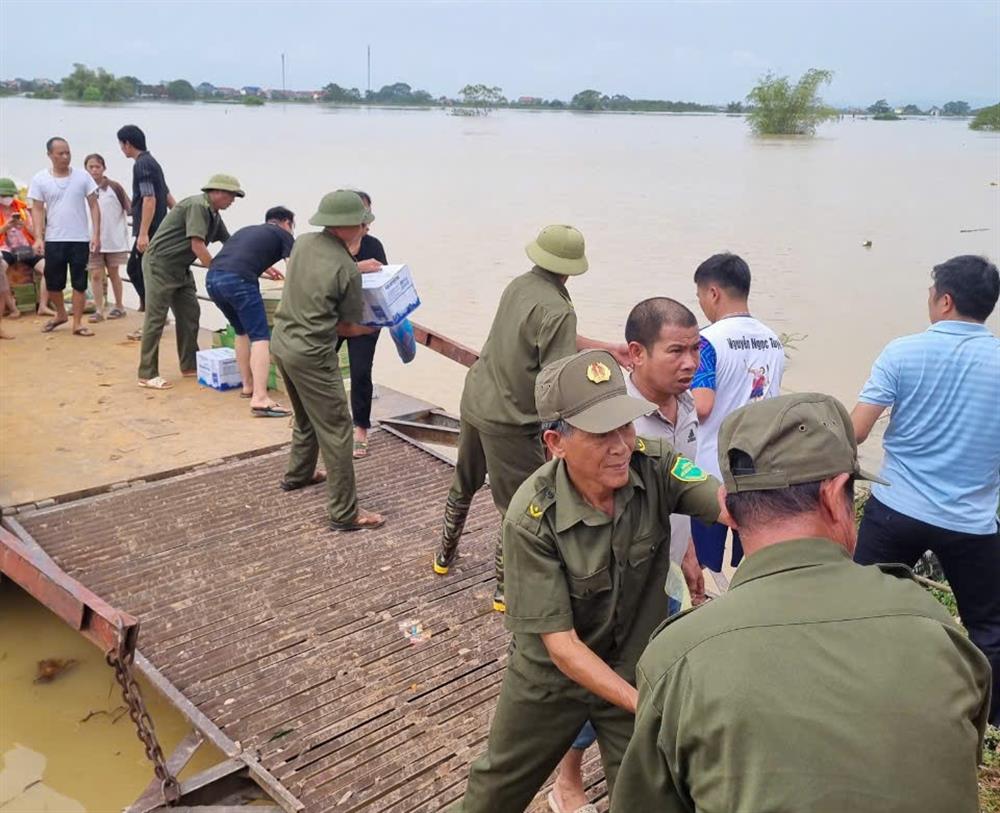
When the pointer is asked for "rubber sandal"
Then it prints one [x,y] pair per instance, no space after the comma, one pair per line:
[134,336]
[94,318]
[270,412]
[246,395]
[117,313]
[345,527]
[158,383]
[360,449]
[317,478]
[83,331]
[556,808]
[52,324]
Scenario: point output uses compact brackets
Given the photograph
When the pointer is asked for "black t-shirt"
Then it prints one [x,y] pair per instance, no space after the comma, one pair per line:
[252,250]
[371,249]
[148,181]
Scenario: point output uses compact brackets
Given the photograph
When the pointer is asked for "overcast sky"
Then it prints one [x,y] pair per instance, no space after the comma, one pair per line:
[919,51]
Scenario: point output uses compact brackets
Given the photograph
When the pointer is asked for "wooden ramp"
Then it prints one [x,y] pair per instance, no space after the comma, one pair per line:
[338,667]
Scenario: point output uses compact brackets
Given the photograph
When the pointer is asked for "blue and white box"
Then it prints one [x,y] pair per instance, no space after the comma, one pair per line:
[389,296]
[217,369]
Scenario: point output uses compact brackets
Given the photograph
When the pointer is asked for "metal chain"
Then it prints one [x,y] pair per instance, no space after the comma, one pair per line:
[120,659]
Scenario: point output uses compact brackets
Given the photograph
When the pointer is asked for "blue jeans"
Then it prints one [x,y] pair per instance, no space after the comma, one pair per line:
[240,301]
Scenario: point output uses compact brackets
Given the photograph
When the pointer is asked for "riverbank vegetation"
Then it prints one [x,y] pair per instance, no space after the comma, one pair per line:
[987,119]
[777,107]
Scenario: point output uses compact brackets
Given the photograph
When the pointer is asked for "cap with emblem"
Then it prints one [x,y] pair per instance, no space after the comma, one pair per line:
[559,249]
[587,390]
[224,183]
[784,441]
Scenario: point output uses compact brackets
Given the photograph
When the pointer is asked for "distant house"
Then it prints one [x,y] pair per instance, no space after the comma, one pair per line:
[206,89]
[44,83]
[934,111]
[251,90]
[529,100]
[220,91]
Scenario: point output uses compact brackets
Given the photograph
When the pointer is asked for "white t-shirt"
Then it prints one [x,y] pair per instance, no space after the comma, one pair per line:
[114,227]
[743,360]
[65,202]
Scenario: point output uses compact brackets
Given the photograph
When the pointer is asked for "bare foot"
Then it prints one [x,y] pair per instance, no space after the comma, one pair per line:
[567,799]
[46,312]
[5,335]
[14,314]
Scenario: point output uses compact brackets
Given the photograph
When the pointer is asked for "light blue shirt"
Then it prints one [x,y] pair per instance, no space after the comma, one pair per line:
[942,447]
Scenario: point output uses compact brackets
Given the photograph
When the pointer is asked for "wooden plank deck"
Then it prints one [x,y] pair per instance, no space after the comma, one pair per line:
[290,639]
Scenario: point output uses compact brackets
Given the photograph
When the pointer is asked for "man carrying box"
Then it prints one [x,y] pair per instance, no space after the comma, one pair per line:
[321,300]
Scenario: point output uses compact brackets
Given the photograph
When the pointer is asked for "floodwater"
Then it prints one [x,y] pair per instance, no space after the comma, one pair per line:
[457,199]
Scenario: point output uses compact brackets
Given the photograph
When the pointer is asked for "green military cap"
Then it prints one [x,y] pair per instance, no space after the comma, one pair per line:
[7,188]
[341,208]
[587,390]
[224,183]
[790,439]
[558,249]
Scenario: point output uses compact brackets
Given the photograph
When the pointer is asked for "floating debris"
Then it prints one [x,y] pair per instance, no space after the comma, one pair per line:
[414,631]
[867,244]
[969,231]
[51,668]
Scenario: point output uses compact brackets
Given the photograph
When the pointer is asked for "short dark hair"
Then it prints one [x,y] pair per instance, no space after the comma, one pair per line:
[972,282]
[130,134]
[559,425]
[754,509]
[726,270]
[98,156]
[279,213]
[648,318]
[365,197]
[53,140]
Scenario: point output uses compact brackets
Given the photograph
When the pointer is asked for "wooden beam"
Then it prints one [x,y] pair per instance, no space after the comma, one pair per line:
[439,343]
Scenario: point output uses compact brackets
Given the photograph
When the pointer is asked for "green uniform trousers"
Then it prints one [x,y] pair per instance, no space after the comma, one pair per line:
[532,730]
[169,289]
[322,424]
[509,459]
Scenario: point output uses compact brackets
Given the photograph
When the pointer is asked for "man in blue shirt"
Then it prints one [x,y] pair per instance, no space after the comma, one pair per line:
[942,449]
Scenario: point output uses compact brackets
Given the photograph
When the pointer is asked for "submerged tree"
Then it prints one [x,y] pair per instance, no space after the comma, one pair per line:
[87,85]
[987,119]
[481,100]
[779,108]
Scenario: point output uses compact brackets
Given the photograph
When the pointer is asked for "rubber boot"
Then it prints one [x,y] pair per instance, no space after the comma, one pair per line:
[499,603]
[455,512]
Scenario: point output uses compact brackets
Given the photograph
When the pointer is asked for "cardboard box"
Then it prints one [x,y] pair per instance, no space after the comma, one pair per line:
[389,294]
[217,369]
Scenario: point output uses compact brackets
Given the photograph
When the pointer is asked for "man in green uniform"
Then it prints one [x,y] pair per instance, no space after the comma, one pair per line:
[321,300]
[815,684]
[182,238]
[535,324]
[586,541]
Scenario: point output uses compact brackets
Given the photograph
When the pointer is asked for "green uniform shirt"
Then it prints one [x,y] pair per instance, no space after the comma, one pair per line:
[570,566]
[191,217]
[814,685]
[322,288]
[535,324]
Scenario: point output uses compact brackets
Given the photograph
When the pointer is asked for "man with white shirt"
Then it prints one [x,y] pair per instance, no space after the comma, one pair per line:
[742,360]
[60,197]
[664,345]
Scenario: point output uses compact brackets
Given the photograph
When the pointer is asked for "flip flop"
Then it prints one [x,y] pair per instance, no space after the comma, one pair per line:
[117,313]
[94,318]
[246,395]
[52,324]
[555,807]
[275,411]
[158,383]
[345,527]
[83,331]
[134,336]
[360,449]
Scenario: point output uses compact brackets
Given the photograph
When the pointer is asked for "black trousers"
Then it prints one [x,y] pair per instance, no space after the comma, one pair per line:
[134,270]
[361,355]
[971,565]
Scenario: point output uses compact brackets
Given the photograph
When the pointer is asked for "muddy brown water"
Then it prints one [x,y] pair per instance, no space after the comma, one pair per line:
[457,199]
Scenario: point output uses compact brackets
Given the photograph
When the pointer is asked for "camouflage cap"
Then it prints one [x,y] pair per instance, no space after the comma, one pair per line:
[789,440]
[341,208]
[587,390]
[559,249]
[224,183]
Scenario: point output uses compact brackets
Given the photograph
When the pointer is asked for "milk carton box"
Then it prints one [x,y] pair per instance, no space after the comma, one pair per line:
[389,296]
[217,368]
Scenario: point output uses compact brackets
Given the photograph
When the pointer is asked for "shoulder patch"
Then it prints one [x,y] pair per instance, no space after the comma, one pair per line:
[900,571]
[651,447]
[686,471]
